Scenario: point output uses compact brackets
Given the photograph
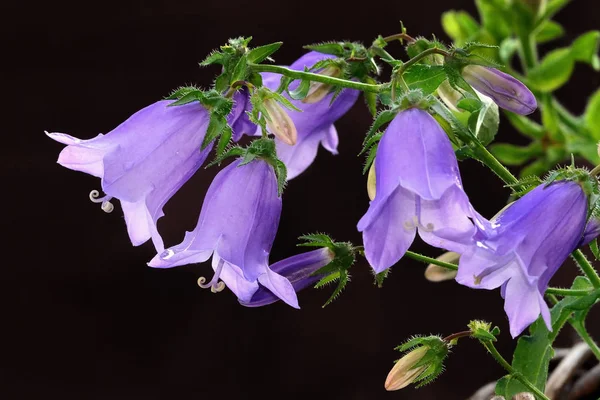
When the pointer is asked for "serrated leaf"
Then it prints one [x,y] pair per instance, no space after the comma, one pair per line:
[329,279]
[592,115]
[343,281]
[585,49]
[261,53]
[424,77]
[221,83]
[549,30]
[226,135]
[382,118]
[511,154]
[553,72]
[191,96]
[484,122]
[216,126]
[239,72]
[281,174]
[333,48]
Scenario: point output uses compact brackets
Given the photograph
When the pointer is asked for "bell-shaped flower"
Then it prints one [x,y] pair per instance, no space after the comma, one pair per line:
[298,269]
[507,92]
[144,161]
[314,124]
[530,240]
[237,226]
[592,230]
[418,188]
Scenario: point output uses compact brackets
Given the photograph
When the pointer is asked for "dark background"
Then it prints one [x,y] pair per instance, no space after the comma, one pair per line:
[83,317]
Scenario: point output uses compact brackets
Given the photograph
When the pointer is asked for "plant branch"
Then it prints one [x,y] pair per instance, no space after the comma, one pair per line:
[429,260]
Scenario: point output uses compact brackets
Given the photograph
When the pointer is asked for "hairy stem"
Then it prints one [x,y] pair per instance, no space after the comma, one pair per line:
[365,87]
[429,260]
[567,292]
[586,268]
[492,163]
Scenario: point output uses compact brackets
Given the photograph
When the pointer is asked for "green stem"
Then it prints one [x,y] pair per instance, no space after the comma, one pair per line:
[365,87]
[420,56]
[528,50]
[483,155]
[429,260]
[399,36]
[498,357]
[586,268]
[583,333]
[567,292]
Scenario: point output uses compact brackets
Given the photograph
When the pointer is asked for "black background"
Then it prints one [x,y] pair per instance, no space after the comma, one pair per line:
[83,317]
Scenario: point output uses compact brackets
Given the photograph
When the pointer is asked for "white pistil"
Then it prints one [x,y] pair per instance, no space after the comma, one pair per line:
[106,205]
[215,285]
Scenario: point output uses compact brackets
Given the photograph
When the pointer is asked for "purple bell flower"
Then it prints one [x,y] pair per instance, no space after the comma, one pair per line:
[315,124]
[592,230]
[418,188]
[146,159]
[237,226]
[507,92]
[298,270]
[530,240]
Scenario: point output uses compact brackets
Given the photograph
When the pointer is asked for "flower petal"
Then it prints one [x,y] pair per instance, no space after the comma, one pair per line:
[280,286]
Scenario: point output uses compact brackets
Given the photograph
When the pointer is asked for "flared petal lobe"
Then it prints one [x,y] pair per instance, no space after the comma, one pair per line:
[506,91]
[298,270]
[239,219]
[531,239]
[143,161]
[314,124]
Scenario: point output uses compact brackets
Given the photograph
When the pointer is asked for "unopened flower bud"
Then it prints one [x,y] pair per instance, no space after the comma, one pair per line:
[449,95]
[523,396]
[371,182]
[404,371]
[506,91]
[435,273]
[279,122]
[319,90]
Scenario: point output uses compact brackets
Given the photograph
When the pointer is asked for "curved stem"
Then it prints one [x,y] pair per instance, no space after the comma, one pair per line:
[567,292]
[365,87]
[420,56]
[429,260]
[498,357]
[586,268]
[399,36]
[458,335]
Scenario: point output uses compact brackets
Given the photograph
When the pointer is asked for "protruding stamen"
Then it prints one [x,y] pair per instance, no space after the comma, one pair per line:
[215,285]
[106,206]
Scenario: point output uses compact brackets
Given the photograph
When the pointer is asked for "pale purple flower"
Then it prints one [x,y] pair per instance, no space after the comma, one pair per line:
[507,92]
[298,269]
[146,159]
[237,226]
[314,124]
[238,119]
[530,240]
[592,230]
[418,188]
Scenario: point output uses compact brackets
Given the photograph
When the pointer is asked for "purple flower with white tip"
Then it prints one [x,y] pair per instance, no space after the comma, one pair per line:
[530,240]
[418,189]
[298,269]
[507,92]
[237,226]
[144,161]
[314,124]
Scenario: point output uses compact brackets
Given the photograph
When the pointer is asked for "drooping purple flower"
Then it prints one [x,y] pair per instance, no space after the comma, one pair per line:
[530,240]
[314,124]
[507,92]
[238,119]
[237,226]
[298,270]
[146,159]
[418,188]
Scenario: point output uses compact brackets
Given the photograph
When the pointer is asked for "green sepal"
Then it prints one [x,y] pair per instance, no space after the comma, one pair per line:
[482,330]
[381,276]
[421,44]
[333,48]
[372,145]
[344,256]
[181,92]
[239,72]
[460,26]
[381,119]
[433,360]
[215,57]
[261,53]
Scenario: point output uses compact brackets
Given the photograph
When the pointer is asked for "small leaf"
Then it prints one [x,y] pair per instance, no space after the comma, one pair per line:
[261,53]
[239,72]
[469,104]
[226,135]
[333,48]
[511,154]
[553,72]
[425,77]
[418,46]
[494,18]
[213,58]
[526,126]
[484,123]
[216,125]
[301,91]
[188,98]
[549,30]
[585,49]
[592,115]
[382,118]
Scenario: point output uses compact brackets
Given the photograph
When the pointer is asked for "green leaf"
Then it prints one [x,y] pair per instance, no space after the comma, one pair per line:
[301,91]
[224,140]
[239,72]
[553,72]
[370,98]
[382,118]
[552,7]
[259,54]
[214,58]
[469,104]
[526,126]
[215,127]
[425,77]
[281,174]
[484,122]
[549,30]
[594,248]
[418,46]
[511,154]
[585,147]
[334,48]
[585,49]
[592,115]
[494,18]
[508,48]
[459,25]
